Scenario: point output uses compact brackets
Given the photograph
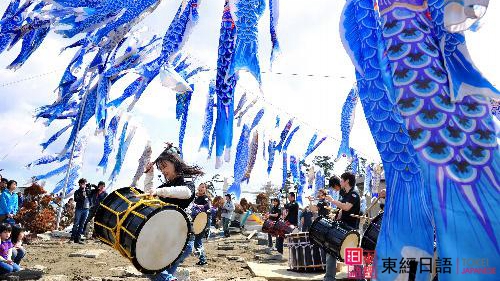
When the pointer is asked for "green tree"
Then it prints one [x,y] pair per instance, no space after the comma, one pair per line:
[326,163]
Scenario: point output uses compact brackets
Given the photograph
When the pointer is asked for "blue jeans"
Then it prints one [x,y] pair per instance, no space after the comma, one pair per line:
[225,225]
[79,222]
[7,268]
[331,268]
[168,274]
[18,255]
[198,245]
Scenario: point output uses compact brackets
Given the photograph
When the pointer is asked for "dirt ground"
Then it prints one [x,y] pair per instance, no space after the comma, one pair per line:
[226,261]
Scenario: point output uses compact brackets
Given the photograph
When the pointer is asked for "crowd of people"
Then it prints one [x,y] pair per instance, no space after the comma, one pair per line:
[345,206]
[11,233]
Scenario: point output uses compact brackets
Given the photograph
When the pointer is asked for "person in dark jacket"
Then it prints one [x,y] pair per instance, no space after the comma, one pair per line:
[274,215]
[82,199]
[97,195]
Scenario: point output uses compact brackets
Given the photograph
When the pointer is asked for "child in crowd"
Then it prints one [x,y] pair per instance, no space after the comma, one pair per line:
[17,236]
[6,246]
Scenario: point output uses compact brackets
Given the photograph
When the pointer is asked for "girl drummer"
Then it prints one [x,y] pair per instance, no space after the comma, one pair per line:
[178,191]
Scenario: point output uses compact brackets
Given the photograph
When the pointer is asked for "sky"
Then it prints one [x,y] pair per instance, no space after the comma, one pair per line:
[310,46]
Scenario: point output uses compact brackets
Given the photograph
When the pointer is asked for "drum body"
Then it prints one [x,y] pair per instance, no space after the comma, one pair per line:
[277,228]
[150,233]
[369,240]
[200,220]
[304,256]
[333,236]
[268,227]
[283,228]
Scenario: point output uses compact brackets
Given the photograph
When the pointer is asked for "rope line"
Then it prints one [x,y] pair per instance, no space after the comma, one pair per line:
[28,78]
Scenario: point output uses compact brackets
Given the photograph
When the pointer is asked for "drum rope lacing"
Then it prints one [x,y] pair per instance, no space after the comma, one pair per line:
[115,231]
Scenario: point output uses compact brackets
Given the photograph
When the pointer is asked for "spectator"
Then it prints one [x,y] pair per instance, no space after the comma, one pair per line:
[70,206]
[82,199]
[97,195]
[20,199]
[227,213]
[18,252]
[6,263]
[9,203]
[216,211]
[3,184]
[306,219]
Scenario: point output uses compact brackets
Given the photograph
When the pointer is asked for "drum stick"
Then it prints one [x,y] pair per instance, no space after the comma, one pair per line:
[373,204]
[144,195]
[359,217]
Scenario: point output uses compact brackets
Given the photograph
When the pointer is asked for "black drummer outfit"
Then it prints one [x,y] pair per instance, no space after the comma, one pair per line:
[279,243]
[292,217]
[176,187]
[350,197]
[322,208]
[204,201]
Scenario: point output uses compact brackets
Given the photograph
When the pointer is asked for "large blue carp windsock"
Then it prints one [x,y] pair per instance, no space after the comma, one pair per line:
[405,228]
[454,134]
[225,86]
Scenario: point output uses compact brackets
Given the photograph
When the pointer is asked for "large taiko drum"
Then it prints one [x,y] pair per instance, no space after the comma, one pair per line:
[304,256]
[150,233]
[333,236]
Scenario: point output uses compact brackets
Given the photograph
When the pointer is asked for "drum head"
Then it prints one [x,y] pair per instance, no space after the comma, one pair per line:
[200,222]
[350,241]
[161,240]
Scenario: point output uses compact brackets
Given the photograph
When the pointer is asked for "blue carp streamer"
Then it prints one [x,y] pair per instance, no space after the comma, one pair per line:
[313,145]
[246,14]
[209,117]
[346,123]
[254,147]
[225,86]
[240,162]
[404,178]
[283,135]
[274,15]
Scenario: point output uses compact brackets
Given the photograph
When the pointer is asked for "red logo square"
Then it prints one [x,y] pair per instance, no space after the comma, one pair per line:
[353,256]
